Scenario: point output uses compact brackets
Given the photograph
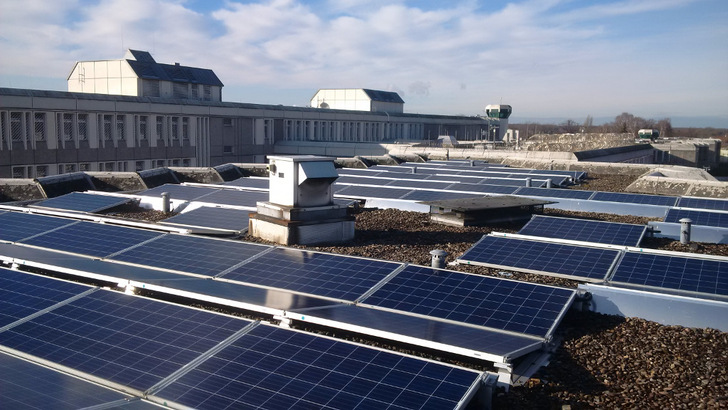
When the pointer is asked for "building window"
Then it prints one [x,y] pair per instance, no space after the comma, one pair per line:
[121,166]
[160,128]
[227,122]
[175,162]
[175,128]
[82,127]
[227,149]
[186,162]
[208,92]
[18,172]
[267,131]
[16,126]
[68,127]
[120,131]
[160,163]
[106,127]
[40,126]
[109,166]
[142,127]
[85,166]
[185,128]
[41,171]
[139,166]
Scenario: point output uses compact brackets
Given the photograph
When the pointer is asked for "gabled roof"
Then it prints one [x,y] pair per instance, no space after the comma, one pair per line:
[145,67]
[383,96]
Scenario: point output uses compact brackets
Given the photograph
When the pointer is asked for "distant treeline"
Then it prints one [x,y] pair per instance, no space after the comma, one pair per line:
[623,123]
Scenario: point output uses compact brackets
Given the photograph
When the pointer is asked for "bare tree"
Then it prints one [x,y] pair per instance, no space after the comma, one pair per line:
[588,124]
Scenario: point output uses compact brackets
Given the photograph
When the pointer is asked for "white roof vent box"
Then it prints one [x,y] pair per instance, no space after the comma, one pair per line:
[301,180]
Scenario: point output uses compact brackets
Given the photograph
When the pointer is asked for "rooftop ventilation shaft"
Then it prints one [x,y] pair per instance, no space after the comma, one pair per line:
[301,209]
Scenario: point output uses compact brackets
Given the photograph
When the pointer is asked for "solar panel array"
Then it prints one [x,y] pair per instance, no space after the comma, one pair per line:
[579,262]
[703,218]
[17,226]
[211,217]
[176,355]
[681,273]
[703,203]
[82,202]
[584,230]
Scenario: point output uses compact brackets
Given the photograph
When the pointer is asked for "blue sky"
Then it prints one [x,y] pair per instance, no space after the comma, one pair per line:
[549,59]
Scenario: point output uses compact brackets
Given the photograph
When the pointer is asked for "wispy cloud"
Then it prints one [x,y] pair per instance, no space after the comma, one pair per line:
[466,53]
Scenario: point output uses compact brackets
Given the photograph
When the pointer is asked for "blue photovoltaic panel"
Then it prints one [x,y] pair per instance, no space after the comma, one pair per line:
[474,299]
[358,171]
[274,368]
[23,294]
[419,184]
[424,195]
[584,230]
[235,197]
[94,239]
[431,330]
[555,193]
[519,254]
[15,226]
[192,254]
[262,183]
[406,175]
[212,217]
[510,182]
[635,198]
[351,180]
[321,274]
[125,339]
[703,203]
[78,201]
[483,188]
[705,218]
[182,192]
[365,192]
[24,385]
[674,272]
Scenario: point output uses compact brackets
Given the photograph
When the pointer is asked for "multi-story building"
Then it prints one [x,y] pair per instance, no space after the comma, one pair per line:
[51,132]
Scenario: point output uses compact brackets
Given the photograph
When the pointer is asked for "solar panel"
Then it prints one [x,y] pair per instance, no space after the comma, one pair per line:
[555,193]
[23,294]
[235,197]
[182,192]
[483,188]
[321,274]
[704,218]
[192,254]
[509,182]
[356,180]
[541,257]
[125,339]
[424,195]
[419,184]
[474,299]
[703,203]
[372,192]
[78,201]
[405,175]
[635,198]
[690,274]
[431,330]
[584,230]
[274,368]
[24,385]
[212,217]
[262,183]
[88,238]
[17,226]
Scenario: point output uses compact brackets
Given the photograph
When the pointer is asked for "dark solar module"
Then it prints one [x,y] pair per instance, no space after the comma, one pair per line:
[366,192]
[635,198]
[703,203]
[250,183]
[274,368]
[474,299]
[15,226]
[555,193]
[674,272]
[182,192]
[584,230]
[518,254]
[192,254]
[704,218]
[125,339]
[321,274]
[77,201]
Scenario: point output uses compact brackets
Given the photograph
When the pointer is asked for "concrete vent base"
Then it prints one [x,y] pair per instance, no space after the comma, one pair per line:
[302,226]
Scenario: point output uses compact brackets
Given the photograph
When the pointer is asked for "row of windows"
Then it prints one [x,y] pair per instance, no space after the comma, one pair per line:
[32,127]
[38,171]
[354,131]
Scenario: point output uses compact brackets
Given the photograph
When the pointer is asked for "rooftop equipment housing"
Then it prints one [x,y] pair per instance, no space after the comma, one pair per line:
[301,208]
